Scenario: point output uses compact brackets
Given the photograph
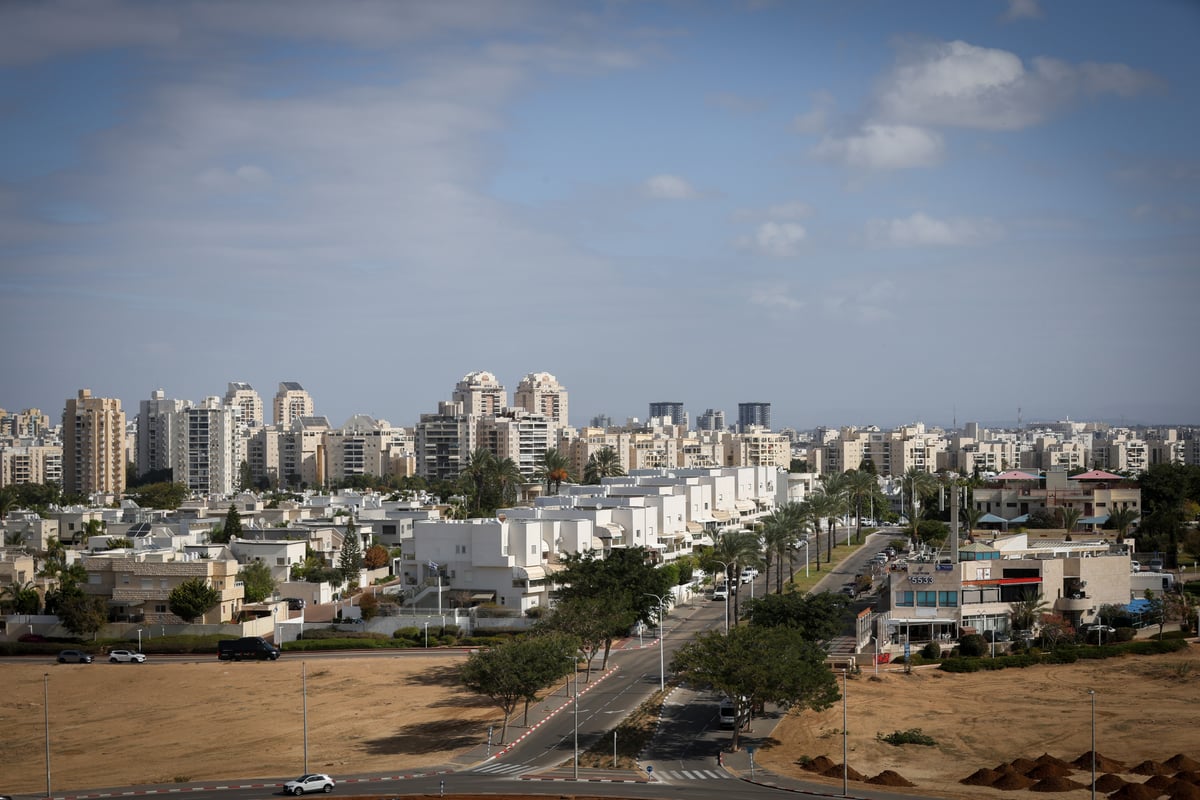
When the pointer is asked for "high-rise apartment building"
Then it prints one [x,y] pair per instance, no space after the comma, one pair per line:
[674,411]
[291,403]
[250,406]
[541,393]
[207,452]
[711,420]
[93,445]
[754,414]
[155,420]
[480,394]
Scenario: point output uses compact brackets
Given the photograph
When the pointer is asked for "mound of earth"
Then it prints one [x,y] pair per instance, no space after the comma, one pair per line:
[1013,781]
[1056,784]
[1049,770]
[890,778]
[1134,791]
[1109,783]
[1103,763]
[981,777]
[1149,767]
[837,771]
[1023,765]
[820,764]
[1046,758]
[1188,776]
[1181,762]
[1183,790]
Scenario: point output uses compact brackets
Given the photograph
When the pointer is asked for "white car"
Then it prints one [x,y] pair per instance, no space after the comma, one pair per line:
[720,593]
[315,782]
[126,656]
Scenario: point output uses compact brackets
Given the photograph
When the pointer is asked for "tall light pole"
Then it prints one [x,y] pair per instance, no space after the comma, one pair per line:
[46,712]
[427,635]
[575,668]
[726,566]
[139,640]
[804,544]
[1092,692]
[845,748]
[662,605]
[304,708]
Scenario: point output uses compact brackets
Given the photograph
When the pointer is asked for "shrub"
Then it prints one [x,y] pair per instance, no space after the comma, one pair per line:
[910,736]
[1124,634]
[451,630]
[931,651]
[961,665]
[411,633]
[972,645]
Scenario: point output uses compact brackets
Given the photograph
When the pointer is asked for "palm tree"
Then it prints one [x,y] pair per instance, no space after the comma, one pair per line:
[1120,519]
[508,478]
[1070,519]
[554,470]
[973,515]
[827,506]
[604,463]
[473,479]
[737,549]
[812,512]
[20,598]
[860,488]
[775,534]
[1026,612]
[917,484]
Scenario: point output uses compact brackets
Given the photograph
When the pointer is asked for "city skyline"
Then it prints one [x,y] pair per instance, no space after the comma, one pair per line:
[861,213]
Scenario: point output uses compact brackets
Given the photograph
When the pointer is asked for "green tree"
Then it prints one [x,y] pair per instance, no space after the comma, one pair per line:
[861,489]
[516,670]
[819,617]
[1027,611]
[245,476]
[92,527]
[1070,518]
[836,487]
[623,577]
[160,495]
[972,515]
[604,463]
[192,599]
[257,581]
[1120,520]
[918,486]
[737,549]
[20,598]
[554,469]
[590,620]
[350,560]
[755,665]
[82,614]
[477,482]
[120,543]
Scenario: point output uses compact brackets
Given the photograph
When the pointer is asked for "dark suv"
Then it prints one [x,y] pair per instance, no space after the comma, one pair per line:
[295,604]
[74,657]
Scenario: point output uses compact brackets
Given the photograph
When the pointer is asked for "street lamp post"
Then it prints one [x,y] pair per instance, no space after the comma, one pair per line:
[46,712]
[1092,692]
[139,640]
[726,567]
[575,668]
[662,610]
[427,635]
[304,711]
[875,646]
[804,544]
[845,747]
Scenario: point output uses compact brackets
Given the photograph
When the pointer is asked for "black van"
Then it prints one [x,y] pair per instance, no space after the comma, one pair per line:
[254,647]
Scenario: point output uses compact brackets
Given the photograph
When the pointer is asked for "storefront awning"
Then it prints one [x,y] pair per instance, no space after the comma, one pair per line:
[722,516]
[695,527]
[745,505]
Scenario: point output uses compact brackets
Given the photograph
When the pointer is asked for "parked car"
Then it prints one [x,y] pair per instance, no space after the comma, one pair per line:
[1097,629]
[295,603]
[126,657]
[74,657]
[720,593]
[314,782]
[1135,566]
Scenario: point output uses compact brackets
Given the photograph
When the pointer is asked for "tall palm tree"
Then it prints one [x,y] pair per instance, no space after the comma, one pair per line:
[20,598]
[799,525]
[737,549]
[860,489]
[1028,611]
[508,479]
[475,478]
[1120,519]
[1070,518]
[917,484]
[604,463]
[972,515]
[774,534]
[812,512]
[554,470]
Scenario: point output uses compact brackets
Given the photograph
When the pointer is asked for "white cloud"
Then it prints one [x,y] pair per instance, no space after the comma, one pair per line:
[961,85]
[920,229]
[775,298]
[877,146]
[776,239]
[669,187]
[1023,9]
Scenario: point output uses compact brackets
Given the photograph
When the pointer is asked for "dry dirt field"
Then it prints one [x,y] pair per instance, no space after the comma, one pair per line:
[123,724]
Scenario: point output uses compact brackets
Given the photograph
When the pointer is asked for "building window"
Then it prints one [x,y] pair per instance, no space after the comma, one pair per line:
[927,599]
[948,599]
[904,599]
[160,609]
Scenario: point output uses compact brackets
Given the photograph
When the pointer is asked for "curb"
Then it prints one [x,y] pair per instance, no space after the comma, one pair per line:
[544,719]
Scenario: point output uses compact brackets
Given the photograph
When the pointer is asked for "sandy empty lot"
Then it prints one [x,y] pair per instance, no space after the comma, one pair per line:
[126,724]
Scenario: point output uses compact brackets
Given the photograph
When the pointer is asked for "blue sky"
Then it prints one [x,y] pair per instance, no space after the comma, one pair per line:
[860,212]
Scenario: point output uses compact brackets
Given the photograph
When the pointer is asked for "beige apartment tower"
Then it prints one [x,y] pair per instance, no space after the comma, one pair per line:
[291,403]
[93,445]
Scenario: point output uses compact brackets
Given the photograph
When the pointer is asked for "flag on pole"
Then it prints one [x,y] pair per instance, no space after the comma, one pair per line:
[433,565]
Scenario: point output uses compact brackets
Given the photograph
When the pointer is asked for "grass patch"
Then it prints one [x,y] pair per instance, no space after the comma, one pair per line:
[910,736]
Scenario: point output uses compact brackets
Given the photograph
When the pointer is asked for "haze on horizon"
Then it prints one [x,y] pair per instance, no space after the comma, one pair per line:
[869,213]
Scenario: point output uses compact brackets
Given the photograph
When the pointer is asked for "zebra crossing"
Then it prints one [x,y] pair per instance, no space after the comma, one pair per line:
[691,775]
[504,768]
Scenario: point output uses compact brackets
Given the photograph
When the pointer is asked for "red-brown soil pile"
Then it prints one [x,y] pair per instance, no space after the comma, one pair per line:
[1056,784]
[819,764]
[1134,791]
[1013,781]
[1109,783]
[1181,762]
[836,771]
[890,778]
[1103,763]
[1049,770]
[1046,758]
[981,777]
[1149,767]
[1183,790]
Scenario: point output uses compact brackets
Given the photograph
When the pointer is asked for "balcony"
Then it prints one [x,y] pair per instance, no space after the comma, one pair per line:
[1076,603]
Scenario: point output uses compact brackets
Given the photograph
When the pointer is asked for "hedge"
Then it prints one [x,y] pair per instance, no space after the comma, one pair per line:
[1064,655]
